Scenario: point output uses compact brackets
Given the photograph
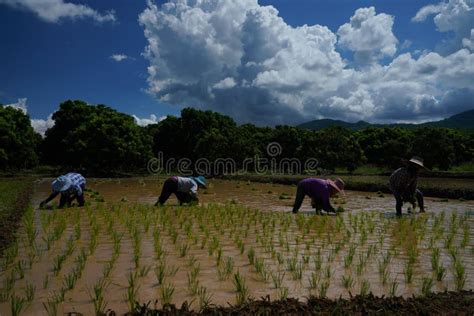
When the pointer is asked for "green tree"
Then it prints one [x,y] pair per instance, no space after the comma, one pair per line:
[18,141]
[96,138]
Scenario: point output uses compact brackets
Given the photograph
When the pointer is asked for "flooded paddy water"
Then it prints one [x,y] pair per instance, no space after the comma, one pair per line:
[243,242]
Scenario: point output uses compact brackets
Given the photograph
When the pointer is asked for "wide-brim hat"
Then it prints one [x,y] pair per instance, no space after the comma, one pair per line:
[417,161]
[61,184]
[338,184]
[200,180]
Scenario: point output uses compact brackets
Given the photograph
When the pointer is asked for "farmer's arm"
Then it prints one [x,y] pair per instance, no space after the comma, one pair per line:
[193,193]
[49,198]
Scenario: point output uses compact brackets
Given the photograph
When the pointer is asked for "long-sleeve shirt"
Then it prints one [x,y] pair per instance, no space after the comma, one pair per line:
[318,190]
[403,183]
[78,181]
[187,185]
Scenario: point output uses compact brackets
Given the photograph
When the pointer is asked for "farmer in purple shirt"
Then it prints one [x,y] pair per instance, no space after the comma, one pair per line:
[319,190]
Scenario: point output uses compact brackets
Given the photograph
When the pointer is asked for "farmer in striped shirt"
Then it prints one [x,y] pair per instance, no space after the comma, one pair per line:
[403,184]
[184,188]
[71,186]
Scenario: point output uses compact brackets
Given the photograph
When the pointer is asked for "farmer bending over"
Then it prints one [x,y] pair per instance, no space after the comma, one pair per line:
[71,186]
[184,188]
[403,184]
[319,190]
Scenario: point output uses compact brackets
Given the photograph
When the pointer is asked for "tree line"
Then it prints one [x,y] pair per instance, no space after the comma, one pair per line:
[101,140]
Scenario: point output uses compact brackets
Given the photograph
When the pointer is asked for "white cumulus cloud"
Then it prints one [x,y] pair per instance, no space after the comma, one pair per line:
[55,10]
[369,35]
[456,16]
[19,105]
[153,119]
[39,125]
[244,60]
[119,57]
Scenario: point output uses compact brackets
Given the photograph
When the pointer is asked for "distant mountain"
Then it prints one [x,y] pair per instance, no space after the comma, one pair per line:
[463,120]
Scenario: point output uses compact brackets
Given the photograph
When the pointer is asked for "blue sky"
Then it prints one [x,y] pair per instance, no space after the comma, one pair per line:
[48,58]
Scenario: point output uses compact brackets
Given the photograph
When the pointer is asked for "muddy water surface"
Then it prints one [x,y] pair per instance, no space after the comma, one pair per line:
[296,249]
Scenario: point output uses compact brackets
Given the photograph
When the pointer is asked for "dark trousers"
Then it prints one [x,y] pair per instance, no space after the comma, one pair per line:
[169,187]
[300,194]
[400,199]
[67,198]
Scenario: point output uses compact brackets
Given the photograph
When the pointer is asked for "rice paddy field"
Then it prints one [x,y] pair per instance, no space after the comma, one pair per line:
[242,242]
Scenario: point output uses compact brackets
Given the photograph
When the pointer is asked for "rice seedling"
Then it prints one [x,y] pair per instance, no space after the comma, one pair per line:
[408,272]
[385,276]
[291,264]
[193,283]
[219,256]
[17,304]
[261,269]
[459,275]
[143,272]
[240,288]
[183,250]
[434,258]
[51,307]
[347,282]
[172,270]
[305,259]
[283,293]
[58,263]
[323,288]
[77,231]
[131,296]
[277,279]
[427,285]
[166,293]
[313,280]
[328,272]
[160,273]
[393,288]
[297,273]
[224,271]
[70,246]
[46,281]
[440,272]
[317,260]
[69,280]
[92,243]
[20,269]
[280,258]
[251,255]
[97,296]
[204,297]
[8,285]
[349,256]
[364,288]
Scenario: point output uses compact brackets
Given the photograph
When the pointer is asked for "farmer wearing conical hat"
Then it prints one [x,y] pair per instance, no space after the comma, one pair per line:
[71,186]
[185,189]
[319,190]
[403,183]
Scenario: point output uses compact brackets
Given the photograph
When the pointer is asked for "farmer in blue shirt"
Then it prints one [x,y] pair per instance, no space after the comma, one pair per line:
[185,189]
[71,186]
